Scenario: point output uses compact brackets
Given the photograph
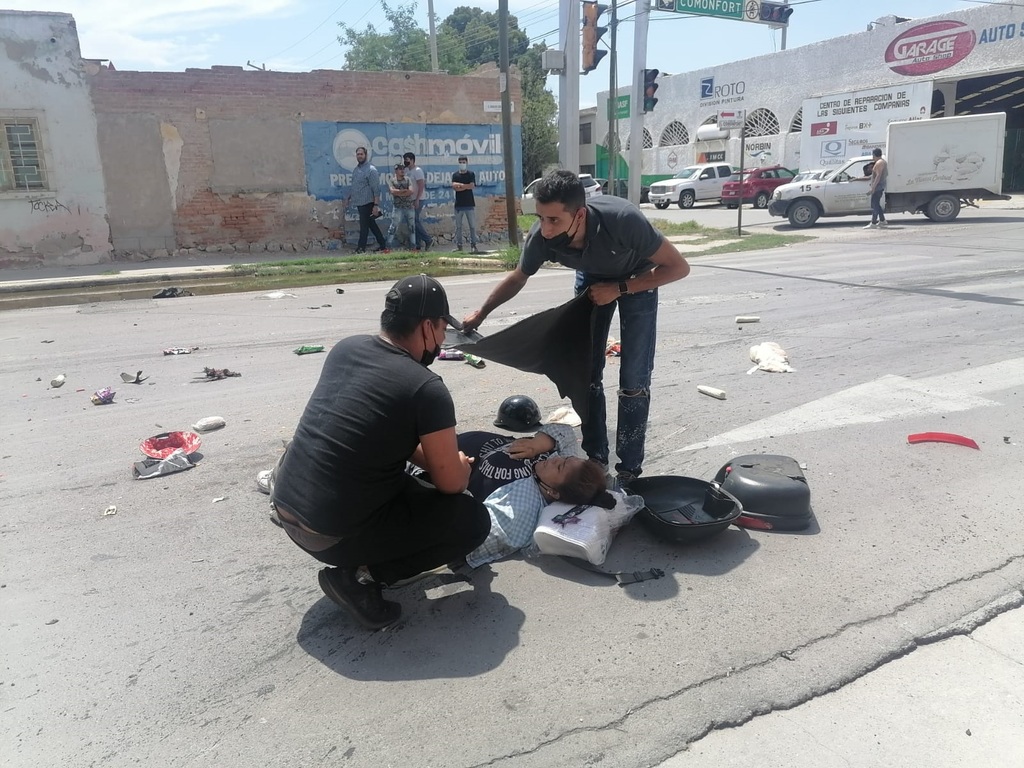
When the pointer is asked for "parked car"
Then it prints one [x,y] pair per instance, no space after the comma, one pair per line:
[693,183]
[756,186]
[817,175]
[529,207]
[622,189]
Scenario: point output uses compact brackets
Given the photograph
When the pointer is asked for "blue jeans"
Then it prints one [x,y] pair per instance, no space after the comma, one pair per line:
[638,327]
[403,227]
[421,232]
[877,213]
[470,216]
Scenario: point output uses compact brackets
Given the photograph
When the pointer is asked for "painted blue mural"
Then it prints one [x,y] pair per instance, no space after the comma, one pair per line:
[330,155]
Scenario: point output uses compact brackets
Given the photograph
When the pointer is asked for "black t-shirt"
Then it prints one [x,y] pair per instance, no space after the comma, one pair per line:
[363,421]
[464,197]
[620,242]
[493,467]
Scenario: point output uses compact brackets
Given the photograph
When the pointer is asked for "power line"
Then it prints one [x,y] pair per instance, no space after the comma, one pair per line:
[314,29]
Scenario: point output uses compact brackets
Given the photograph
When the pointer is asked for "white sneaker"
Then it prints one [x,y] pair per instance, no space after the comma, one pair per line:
[883,223]
[870,226]
[263,481]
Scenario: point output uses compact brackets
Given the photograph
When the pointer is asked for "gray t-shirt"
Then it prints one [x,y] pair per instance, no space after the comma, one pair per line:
[620,242]
[414,175]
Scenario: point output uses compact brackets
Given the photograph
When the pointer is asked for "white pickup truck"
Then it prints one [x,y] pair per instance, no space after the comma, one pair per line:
[935,166]
[693,183]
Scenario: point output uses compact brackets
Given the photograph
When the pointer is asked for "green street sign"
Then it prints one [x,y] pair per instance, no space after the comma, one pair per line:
[621,105]
[722,9]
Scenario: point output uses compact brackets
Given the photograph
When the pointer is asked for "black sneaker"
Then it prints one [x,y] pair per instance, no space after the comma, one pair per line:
[364,601]
[427,246]
[360,250]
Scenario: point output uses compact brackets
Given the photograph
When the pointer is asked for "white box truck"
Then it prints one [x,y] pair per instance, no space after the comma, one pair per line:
[935,166]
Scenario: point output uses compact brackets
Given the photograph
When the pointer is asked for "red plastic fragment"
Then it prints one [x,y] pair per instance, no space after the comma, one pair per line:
[746,521]
[942,437]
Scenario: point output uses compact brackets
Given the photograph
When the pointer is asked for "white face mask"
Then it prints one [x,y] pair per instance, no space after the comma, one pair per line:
[463,166]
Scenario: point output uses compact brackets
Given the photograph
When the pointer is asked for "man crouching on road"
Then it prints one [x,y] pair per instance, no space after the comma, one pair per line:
[341,491]
[620,260]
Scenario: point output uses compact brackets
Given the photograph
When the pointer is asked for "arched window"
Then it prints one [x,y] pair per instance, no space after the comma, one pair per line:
[713,120]
[761,122]
[648,141]
[797,125]
[674,135]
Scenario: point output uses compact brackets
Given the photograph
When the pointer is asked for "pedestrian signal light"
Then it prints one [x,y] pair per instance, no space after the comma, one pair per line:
[650,88]
[591,34]
[776,13]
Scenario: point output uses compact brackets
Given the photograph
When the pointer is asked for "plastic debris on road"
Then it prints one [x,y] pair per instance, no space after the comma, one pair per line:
[277,295]
[564,415]
[163,445]
[718,394]
[475,361]
[111,510]
[748,319]
[180,350]
[133,378]
[172,293]
[308,349]
[770,357]
[216,374]
[209,424]
[942,437]
[58,381]
[103,396]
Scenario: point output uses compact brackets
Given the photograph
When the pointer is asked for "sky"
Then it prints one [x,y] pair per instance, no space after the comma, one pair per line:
[301,35]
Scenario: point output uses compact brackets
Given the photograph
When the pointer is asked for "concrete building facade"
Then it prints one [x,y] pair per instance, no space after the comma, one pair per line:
[53,203]
[965,62]
[98,164]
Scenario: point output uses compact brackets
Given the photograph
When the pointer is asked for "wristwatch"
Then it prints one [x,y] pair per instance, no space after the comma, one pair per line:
[623,288]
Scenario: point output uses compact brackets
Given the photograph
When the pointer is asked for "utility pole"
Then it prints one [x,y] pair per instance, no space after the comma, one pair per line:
[636,100]
[433,36]
[613,104]
[569,87]
[506,124]
[784,28]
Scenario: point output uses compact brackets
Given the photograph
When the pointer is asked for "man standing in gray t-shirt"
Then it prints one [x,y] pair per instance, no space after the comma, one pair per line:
[365,195]
[418,181]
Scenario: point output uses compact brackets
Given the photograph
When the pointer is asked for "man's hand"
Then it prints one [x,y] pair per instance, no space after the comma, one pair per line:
[604,293]
[472,321]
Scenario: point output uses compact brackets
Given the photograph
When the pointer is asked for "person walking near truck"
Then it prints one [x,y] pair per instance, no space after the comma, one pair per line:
[879,175]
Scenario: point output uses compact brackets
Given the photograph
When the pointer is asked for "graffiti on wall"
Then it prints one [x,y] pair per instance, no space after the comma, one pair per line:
[330,155]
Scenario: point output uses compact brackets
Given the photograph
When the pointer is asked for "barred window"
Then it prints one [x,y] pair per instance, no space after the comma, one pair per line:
[761,122]
[798,121]
[674,135]
[22,167]
[648,140]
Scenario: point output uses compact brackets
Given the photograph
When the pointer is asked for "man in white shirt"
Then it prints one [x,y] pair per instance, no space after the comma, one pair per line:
[418,180]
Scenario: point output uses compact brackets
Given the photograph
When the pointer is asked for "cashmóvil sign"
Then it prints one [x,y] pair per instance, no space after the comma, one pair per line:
[930,47]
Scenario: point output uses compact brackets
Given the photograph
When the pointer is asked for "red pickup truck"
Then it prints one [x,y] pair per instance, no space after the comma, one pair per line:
[756,186]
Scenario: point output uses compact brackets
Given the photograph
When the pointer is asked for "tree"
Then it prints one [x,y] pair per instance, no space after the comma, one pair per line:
[465,40]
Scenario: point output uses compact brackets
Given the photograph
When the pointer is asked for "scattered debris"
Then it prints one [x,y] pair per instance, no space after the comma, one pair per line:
[172,293]
[942,437]
[220,498]
[748,319]
[451,354]
[564,415]
[263,480]
[180,350]
[770,357]
[718,394]
[325,305]
[1006,439]
[46,341]
[176,462]
[103,396]
[58,381]
[278,295]
[52,622]
[308,349]
[128,378]
[165,444]
[613,348]
[339,290]
[209,424]
[111,510]
[216,374]
[475,361]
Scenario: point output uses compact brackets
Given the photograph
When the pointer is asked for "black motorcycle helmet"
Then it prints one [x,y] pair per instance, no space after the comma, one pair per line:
[518,413]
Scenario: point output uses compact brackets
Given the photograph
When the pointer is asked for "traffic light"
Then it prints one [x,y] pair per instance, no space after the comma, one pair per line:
[591,34]
[650,88]
[776,13]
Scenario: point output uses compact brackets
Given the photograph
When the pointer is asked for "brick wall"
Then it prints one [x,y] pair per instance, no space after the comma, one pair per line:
[184,104]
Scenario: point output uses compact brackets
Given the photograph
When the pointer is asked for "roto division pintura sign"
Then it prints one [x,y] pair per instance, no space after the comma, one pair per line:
[330,155]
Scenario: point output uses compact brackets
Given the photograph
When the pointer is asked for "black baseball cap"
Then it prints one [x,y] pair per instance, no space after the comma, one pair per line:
[420,296]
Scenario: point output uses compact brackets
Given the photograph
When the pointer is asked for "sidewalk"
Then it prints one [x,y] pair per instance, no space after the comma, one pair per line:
[956,703]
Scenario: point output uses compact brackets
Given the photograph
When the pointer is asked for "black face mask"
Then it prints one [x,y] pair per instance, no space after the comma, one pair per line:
[429,356]
[562,241]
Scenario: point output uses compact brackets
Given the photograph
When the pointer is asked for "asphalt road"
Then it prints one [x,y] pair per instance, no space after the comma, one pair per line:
[186,630]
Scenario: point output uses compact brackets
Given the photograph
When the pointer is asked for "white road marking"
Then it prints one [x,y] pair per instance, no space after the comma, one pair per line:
[885,399]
